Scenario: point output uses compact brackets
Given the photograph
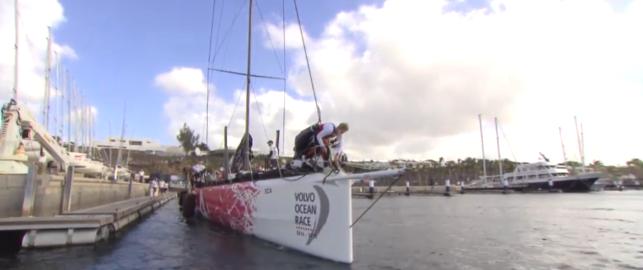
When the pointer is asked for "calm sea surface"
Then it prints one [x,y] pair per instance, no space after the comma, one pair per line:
[601,230]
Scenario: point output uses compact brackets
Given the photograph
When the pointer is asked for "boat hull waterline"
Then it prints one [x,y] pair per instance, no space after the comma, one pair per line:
[581,183]
[304,213]
[576,183]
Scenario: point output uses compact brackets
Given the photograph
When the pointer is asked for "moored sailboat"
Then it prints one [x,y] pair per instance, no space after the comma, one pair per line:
[305,210]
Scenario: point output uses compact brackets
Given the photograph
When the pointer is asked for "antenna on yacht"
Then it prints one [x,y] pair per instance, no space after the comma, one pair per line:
[484,161]
[562,143]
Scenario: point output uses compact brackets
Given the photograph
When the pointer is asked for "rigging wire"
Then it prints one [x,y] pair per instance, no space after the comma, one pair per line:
[207,96]
[263,124]
[373,204]
[234,109]
[508,144]
[227,33]
[310,74]
[245,74]
[272,44]
[219,26]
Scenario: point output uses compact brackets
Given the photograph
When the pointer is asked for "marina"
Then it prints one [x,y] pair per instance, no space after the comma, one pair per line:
[319,135]
[475,231]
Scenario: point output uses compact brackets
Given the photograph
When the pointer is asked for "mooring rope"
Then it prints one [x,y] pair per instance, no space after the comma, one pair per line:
[378,198]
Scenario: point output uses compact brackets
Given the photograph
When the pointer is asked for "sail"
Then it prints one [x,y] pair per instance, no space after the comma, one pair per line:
[239,162]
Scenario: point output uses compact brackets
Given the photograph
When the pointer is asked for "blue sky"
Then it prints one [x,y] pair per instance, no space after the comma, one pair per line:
[123,45]
[409,76]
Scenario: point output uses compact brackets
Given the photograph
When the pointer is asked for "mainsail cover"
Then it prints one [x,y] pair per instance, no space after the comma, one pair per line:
[239,161]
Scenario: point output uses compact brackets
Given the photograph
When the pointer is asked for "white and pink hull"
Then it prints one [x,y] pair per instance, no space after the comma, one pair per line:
[304,213]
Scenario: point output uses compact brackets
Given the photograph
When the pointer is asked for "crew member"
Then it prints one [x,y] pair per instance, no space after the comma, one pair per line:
[317,138]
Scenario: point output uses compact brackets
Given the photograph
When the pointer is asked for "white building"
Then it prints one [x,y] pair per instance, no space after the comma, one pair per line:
[144,145]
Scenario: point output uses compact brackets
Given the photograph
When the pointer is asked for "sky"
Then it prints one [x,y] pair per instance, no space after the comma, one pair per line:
[410,77]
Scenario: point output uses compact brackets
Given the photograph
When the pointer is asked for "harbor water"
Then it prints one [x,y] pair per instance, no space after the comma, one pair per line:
[602,230]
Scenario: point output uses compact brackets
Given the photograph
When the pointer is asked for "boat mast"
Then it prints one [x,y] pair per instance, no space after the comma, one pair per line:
[498,144]
[578,139]
[120,145]
[69,95]
[45,107]
[246,154]
[15,66]
[61,101]
[226,161]
[285,82]
[562,143]
[111,148]
[582,143]
[484,161]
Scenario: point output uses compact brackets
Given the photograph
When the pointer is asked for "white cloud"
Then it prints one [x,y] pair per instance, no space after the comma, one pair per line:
[274,37]
[35,17]
[410,77]
[182,81]
[184,106]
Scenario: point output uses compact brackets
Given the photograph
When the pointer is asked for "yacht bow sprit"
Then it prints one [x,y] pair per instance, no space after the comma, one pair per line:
[304,205]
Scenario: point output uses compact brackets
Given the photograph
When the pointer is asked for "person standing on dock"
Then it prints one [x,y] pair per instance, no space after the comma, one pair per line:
[151,187]
[155,187]
[273,155]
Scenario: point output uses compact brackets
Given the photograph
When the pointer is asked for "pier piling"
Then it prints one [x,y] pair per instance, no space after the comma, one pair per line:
[28,199]
[66,201]
[447,187]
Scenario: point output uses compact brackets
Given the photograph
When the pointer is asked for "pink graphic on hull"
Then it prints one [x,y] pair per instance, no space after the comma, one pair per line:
[229,205]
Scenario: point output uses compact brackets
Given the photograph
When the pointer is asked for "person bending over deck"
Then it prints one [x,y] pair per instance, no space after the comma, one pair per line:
[317,140]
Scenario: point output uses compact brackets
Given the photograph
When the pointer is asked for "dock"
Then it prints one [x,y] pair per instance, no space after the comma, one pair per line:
[85,226]
[438,190]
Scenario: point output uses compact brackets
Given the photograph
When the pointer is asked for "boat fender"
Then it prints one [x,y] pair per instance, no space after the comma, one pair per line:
[188,206]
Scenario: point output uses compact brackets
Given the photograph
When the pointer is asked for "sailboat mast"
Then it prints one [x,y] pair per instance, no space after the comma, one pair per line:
[45,108]
[562,143]
[15,66]
[498,145]
[484,161]
[247,134]
[285,82]
[120,145]
[580,148]
[582,143]
[61,101]
[69,95]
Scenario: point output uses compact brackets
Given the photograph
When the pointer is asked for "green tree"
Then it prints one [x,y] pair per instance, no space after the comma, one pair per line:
[187,139]
[635,162]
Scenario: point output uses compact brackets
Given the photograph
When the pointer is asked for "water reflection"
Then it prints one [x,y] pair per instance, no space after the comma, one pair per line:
[520,231]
